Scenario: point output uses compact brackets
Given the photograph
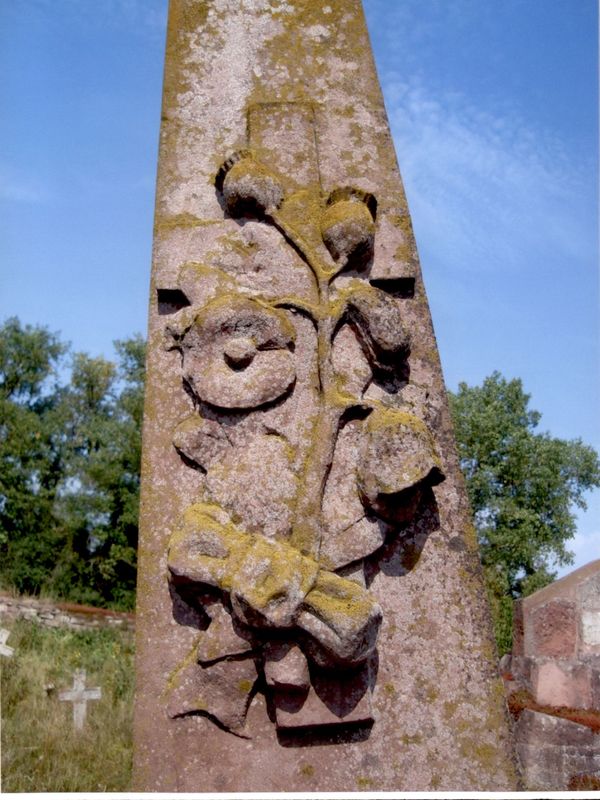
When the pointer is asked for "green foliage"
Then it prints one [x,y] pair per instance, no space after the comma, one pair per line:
[30,452]
[523,487]
[40,750]
[70,465]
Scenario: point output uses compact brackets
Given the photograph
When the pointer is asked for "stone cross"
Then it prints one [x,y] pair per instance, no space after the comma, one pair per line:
[5,650]
[79,696]
[308,569]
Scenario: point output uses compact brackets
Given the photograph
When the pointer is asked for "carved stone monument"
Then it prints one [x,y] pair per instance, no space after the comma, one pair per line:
[310,613]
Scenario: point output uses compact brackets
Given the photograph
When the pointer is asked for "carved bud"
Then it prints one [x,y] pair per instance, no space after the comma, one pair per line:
[348,225]
[248,186]
[399,461]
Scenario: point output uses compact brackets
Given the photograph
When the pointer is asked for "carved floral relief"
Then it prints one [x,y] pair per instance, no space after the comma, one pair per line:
[295,366]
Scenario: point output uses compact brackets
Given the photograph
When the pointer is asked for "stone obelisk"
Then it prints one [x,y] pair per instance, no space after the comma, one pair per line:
[311,613]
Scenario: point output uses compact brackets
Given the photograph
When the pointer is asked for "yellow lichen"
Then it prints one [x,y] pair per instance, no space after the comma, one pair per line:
[347,212]
[414,739]
[184,220]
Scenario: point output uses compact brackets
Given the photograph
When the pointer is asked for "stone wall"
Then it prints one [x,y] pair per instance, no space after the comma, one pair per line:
[553,682]
[63,615]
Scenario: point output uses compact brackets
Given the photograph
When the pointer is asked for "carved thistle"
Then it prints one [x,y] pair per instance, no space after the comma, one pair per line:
[310,459]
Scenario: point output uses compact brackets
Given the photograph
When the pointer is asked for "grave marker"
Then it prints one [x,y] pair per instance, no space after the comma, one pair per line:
[5,650]
[311,611]
[79,696]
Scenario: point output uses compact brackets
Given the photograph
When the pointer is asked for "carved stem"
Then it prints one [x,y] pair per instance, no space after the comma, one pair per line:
[308,530]
[317,267]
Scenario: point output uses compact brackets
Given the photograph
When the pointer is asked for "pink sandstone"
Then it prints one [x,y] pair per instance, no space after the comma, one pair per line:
[311,613]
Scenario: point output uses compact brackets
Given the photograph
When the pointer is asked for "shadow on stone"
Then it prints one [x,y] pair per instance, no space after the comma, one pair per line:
[402,550]
[345,733]
[188,606]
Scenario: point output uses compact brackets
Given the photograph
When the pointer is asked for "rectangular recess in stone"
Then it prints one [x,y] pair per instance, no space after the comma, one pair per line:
[399,287]
[170,300]
[300,483]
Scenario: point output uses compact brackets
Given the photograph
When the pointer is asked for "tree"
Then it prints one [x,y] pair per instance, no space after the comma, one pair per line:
[99,504]
[523,486]
[69,467]
[31,454]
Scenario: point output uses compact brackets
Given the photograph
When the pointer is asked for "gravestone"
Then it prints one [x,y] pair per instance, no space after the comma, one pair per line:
[5,650]
[79,696]
[311,612]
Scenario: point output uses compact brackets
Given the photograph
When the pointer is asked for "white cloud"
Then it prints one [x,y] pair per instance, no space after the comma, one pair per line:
[488,189]
[585,547]
[145,17]
[17,187]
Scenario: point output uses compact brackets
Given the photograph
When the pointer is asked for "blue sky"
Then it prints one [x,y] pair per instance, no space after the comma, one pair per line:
[493,107]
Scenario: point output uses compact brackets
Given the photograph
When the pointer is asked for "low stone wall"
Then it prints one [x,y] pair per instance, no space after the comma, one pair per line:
[552,680]
[556,753]
[556,645]
[63,615]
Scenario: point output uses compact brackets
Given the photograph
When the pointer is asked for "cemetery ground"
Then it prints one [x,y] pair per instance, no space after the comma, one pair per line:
[41,749]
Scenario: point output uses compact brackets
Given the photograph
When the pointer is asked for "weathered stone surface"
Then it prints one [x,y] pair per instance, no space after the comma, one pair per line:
[208,691]
[589,598]
[560,683]
[327,703]
[286,667]
[554,629]
[555,664]
[299,472]
[553,751]
[575,595]
[222,639]
[555,654]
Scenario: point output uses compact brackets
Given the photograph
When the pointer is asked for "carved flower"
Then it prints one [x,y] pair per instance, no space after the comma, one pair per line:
[237,353]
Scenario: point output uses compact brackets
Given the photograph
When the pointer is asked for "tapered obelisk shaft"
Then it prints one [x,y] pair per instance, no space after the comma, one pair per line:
[311,612]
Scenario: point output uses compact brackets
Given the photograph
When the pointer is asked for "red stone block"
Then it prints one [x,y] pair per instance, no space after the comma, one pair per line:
[553,630]
[562,684]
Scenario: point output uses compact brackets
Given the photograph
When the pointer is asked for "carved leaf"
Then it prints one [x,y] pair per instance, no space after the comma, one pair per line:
[377,320]
[201,441]
[398,462]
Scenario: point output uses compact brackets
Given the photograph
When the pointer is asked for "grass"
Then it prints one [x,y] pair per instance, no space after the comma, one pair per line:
[40,750]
